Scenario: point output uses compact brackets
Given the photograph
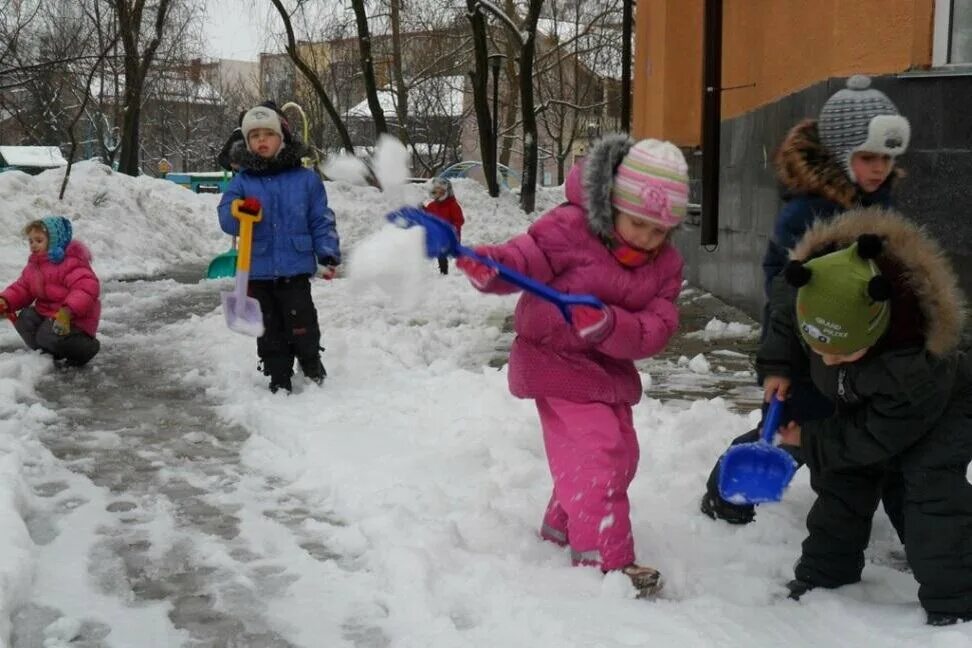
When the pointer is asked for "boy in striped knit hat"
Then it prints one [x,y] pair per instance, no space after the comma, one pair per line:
[609,239]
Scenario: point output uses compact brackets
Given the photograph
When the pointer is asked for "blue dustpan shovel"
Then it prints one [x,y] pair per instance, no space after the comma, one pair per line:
[754,473]
[441,240]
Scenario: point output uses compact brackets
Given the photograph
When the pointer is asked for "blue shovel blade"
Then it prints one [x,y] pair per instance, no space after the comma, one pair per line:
[440,238]
[754,473]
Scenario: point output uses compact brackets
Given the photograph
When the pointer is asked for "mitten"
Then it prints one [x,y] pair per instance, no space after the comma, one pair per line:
[329,271]
[250,205]
[480,275]
[62,322]
[592,324]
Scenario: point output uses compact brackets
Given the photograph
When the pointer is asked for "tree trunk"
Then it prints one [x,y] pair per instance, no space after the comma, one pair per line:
[480,99]
[314,80]
[627,23]
[512,105]
[128,159]
[401,90]
[136,69]
[368,67]
[528,189]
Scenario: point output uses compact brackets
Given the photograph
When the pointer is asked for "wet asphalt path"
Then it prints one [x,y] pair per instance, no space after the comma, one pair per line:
[162,458]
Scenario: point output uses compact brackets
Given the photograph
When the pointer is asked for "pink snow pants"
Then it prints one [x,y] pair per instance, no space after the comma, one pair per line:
[593,454]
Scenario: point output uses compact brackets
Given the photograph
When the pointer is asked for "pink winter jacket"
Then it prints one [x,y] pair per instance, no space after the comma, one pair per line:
[49,286]
[548,358]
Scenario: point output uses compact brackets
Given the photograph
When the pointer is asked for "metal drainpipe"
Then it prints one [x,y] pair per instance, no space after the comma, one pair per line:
[711,120]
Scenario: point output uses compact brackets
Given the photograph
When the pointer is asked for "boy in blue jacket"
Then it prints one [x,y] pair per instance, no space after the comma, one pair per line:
[296,234]
[843,160]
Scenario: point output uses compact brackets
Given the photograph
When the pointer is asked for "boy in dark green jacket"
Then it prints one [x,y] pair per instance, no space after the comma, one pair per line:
[874,307]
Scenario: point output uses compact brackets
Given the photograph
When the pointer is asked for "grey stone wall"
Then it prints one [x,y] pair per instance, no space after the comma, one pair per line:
[937,191]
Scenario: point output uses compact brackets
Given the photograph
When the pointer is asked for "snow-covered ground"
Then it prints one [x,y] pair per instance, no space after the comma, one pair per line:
[431,475]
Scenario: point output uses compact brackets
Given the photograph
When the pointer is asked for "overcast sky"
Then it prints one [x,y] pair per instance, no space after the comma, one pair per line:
[236,29]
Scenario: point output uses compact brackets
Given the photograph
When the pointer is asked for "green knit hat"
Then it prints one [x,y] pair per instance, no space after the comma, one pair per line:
[842,304]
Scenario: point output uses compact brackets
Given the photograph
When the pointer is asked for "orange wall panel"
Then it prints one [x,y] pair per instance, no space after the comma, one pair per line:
[771,48]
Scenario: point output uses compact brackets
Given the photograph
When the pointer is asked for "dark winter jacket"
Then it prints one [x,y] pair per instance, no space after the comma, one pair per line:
[297,231]
[907,405]
[223,158]
[816,188]
[894,397]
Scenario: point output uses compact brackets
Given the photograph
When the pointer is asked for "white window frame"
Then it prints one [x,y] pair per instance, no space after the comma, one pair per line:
[942,34]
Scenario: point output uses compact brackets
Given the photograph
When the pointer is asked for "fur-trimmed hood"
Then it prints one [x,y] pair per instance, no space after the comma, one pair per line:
[805,166]
[598,180]
[289,157]
[920,264]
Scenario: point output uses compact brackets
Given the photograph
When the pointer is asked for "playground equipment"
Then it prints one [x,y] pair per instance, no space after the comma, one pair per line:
[474,168]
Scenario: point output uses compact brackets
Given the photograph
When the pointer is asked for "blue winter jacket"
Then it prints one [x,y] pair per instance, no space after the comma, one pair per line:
[798,214]
[297,231]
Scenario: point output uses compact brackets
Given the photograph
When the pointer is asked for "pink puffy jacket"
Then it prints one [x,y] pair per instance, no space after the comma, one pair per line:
[49,286]
[548,358]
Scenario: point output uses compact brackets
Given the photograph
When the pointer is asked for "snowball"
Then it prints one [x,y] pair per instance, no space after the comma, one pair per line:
[392,259]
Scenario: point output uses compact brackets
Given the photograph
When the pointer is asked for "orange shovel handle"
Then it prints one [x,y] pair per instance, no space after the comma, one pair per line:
[246,233]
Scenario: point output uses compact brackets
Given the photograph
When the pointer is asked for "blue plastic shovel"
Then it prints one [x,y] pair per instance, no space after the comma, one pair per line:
[754,473]
[441,240]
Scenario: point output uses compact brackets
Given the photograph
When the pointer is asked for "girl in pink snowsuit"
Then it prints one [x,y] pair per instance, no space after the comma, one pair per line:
[57,294]
[611,240]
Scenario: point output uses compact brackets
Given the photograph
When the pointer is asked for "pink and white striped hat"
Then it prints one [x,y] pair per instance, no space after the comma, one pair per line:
[652,183]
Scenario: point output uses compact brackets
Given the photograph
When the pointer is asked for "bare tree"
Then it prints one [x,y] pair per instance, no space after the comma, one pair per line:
[139,54]
[312,77]
[524,35]
[398,74]
[578,59]
[480,79]
[368,66]
[77,116]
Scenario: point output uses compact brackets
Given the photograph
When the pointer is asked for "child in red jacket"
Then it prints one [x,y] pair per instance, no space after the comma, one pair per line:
[444,205]
[57,294]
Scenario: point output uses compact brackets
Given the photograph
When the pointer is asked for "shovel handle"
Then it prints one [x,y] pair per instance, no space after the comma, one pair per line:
[246,233]
[563,301]
[772,420]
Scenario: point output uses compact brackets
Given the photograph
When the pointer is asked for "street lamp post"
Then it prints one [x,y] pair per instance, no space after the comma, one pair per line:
[494,64]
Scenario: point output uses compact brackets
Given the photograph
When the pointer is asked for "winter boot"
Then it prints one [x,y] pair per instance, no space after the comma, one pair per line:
[719,509]
[313,369]
[276,384]
[647,580]
[798,588]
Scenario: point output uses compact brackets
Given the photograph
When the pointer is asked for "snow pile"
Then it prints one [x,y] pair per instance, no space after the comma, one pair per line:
[716,329]
[133,226]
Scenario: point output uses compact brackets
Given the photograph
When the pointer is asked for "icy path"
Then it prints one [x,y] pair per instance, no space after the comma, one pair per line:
[144,516]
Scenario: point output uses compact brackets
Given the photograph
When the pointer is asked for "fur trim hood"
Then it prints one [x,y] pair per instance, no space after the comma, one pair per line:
[805,166]
[599,166]
[924,269]
[288,158]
